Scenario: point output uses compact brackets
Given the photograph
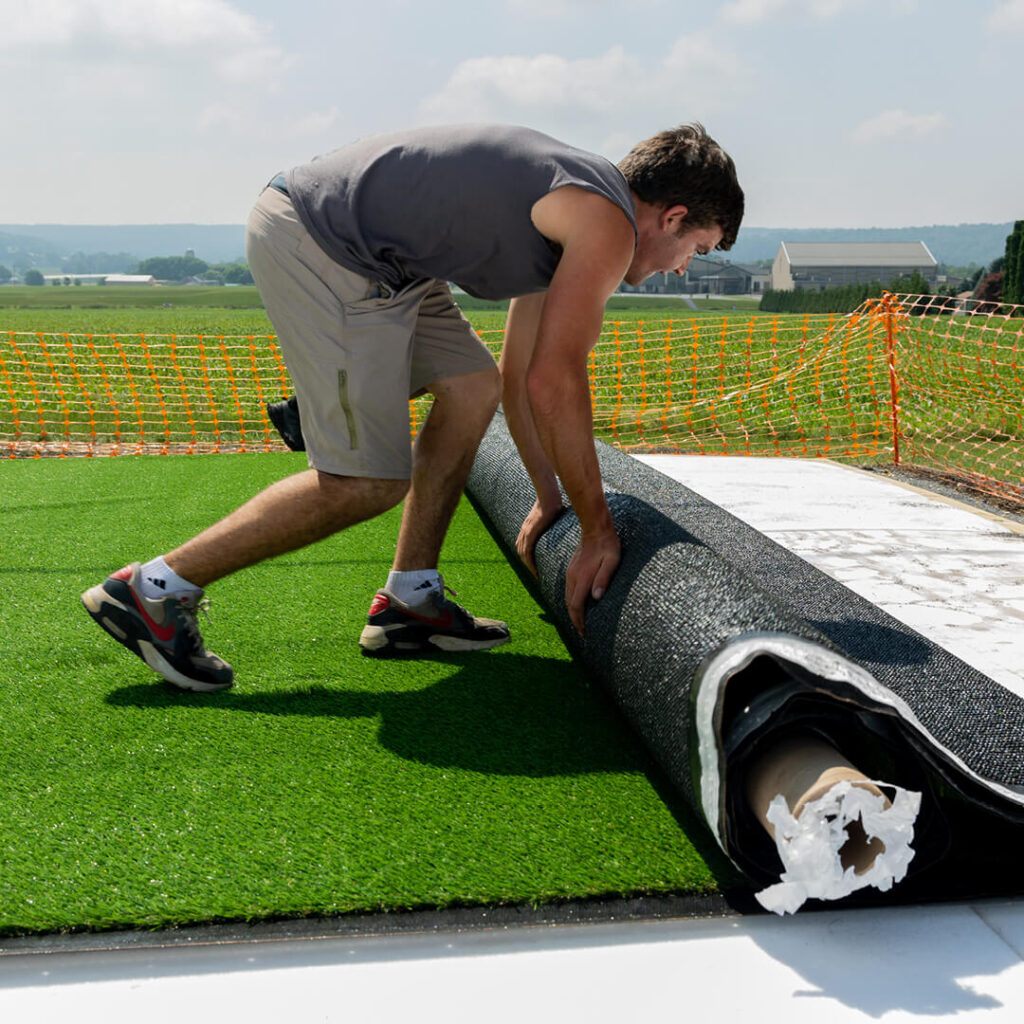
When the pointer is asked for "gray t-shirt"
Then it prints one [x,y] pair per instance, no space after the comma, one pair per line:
[451,203]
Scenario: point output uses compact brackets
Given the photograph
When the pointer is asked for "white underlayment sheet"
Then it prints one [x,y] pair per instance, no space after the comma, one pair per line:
[954,575]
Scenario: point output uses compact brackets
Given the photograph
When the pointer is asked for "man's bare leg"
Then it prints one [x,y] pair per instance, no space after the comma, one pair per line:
[289,514]
[442,458]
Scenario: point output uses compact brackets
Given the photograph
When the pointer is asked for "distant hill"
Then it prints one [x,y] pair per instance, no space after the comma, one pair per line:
[955,244]
[45,245]
[214,243]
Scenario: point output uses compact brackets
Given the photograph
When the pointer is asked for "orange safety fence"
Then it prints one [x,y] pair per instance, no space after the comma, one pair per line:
[921,381]
[115,394]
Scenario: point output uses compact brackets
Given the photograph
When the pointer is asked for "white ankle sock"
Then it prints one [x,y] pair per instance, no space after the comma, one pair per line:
[412,587]
[158,579]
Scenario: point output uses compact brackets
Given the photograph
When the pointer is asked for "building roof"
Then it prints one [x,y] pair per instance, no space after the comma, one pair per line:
[701,266]
[858,254]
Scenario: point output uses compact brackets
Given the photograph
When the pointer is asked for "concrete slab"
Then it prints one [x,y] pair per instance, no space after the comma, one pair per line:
[843,967]
[951,572]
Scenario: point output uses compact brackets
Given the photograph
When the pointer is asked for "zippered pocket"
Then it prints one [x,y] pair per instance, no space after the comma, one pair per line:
[346,408]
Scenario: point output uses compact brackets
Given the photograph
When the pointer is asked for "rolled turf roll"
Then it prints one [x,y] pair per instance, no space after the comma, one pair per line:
[718,644]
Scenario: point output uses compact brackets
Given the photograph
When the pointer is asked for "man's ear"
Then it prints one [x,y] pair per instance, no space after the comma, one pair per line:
[672,217]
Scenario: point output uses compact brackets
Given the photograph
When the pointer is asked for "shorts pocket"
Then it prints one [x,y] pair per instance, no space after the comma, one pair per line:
[346,408]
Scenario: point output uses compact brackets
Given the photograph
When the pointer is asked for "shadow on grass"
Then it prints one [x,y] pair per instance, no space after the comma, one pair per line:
[513,715]
[507,715]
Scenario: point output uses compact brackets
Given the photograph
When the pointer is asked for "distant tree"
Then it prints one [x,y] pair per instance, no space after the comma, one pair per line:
[34,277]
[99,263]
[911,284]
[990,292]
[5,275]
[1009,268]
[1018,232]
[1013,265]
[173,268]
[238,273]
[971,281]
[831,300]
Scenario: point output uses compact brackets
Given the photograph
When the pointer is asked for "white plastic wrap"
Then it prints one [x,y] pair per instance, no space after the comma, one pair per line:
[809,845]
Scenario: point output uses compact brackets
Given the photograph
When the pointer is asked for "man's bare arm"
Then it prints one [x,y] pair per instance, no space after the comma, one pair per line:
[520,337]
[597,242]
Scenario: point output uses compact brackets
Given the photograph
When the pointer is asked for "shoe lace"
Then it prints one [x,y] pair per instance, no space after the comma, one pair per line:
[190,619]
[441,599]
[454,605]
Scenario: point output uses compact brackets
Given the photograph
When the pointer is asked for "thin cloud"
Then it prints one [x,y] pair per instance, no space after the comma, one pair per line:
[692,75]
[753,12]
[231,42]
[560,8]
[1007,17]
[583,11]
[895,125]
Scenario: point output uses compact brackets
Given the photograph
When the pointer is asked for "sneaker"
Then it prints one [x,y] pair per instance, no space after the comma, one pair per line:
[394,629]
[163,633]
[285,417]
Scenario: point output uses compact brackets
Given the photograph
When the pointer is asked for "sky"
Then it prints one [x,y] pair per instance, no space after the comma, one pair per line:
[838,113]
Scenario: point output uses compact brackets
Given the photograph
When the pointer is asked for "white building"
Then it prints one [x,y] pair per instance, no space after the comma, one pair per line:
[117,279]
[819,265]
[73,278]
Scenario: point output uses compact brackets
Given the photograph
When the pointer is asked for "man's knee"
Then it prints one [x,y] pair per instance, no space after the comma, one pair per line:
[479,391]
[493,389]
[371,492]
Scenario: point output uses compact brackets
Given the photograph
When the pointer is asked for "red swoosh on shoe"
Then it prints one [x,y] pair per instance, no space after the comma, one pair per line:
[442,623]
[382,602]
[162,633]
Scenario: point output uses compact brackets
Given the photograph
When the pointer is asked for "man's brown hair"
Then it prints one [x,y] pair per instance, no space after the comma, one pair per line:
[685,166]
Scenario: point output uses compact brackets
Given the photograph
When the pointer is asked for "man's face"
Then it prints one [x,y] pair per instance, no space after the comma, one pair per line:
[668,245]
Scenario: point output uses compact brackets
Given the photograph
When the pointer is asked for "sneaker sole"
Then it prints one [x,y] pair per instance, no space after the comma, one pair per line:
[97,601]
[375,643]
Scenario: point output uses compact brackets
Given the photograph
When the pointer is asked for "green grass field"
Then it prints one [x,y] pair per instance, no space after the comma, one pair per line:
[325,782]
[92,297]
[91,300]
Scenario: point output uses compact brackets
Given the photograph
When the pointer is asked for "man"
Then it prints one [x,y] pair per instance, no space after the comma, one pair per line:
[351,253]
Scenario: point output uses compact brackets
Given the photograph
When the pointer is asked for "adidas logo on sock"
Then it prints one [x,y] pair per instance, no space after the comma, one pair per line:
[162,584]
[425,585]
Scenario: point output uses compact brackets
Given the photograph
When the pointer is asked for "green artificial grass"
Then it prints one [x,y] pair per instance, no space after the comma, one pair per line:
[325,782]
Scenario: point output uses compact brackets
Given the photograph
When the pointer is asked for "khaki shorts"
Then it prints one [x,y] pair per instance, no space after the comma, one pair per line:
[356,352]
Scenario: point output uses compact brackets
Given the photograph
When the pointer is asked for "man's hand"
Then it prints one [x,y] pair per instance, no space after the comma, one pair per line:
[590,571]
[536,522]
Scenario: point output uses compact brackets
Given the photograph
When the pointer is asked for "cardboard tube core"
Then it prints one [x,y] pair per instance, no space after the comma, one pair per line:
[804,769]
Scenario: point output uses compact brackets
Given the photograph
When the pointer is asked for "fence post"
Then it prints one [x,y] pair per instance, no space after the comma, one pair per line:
[894,382]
